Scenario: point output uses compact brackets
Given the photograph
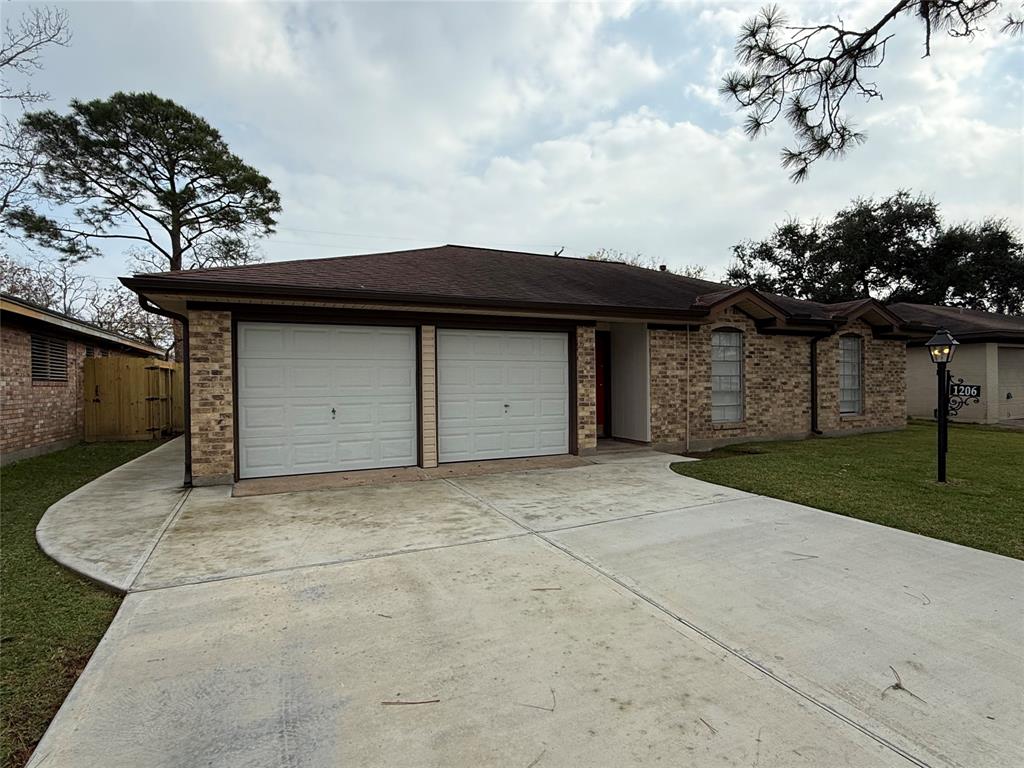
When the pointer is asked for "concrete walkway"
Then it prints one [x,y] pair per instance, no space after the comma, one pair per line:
[105,530]
[604,615]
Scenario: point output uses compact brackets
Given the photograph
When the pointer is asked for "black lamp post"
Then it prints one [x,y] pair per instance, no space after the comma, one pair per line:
[942,346]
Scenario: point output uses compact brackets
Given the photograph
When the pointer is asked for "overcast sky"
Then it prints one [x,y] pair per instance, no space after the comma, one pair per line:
[533,127]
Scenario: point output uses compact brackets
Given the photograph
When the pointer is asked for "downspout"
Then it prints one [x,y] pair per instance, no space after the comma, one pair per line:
[814,381]
[147,305]
[687,388]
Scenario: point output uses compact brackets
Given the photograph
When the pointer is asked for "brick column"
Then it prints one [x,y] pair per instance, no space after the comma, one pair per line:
[586,390]
[669,398]
[428,394]
[212,417]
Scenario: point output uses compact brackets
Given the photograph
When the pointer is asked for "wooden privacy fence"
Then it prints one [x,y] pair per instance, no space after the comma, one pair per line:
[132,398]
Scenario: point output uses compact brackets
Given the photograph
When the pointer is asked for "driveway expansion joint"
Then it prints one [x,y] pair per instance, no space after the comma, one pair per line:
[810,698]
[133,576]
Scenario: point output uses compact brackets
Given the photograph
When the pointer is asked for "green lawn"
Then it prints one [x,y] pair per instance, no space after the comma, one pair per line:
[50,620]
[889,478]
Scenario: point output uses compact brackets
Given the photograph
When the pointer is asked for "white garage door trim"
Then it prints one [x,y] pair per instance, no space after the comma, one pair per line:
[325,398]
[502,394]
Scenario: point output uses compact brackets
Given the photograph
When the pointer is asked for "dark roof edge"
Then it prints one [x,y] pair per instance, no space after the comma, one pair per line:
[217,288]
[33,311]
[919,337]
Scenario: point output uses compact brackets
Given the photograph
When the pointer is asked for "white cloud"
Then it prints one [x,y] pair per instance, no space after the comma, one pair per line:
[519,125]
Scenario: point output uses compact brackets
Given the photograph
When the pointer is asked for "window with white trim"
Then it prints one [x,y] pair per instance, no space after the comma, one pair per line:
[851,375]
[726,375]
[49,359]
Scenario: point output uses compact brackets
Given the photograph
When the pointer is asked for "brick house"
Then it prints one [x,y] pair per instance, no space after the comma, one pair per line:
[42,355]
[455,354]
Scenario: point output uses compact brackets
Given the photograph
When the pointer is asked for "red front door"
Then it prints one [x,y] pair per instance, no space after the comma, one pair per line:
[602,353]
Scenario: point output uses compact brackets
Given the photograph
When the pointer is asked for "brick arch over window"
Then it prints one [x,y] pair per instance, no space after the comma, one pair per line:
[727,374]
[851,374]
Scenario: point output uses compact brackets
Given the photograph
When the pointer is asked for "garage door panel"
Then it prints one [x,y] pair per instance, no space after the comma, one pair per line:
[398,378]
[389,414]
[306,341]
[454,375]
[553,350]
[458,411]
[488,376]
[260,341]
[291,378]
[553,408]
[502,394]
[484,409]
[457,445]
[523,441]
[488,442]
[307,415]
[519,408]
[398,448]
[315,456]
[262,416]
[351,378]
[553,376]
[523,375]
[268,459]
[554,438]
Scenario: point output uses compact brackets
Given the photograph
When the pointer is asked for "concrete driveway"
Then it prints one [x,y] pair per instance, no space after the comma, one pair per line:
[605,615]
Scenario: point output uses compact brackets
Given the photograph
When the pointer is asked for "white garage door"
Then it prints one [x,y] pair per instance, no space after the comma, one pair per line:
[502,394]
[323,398]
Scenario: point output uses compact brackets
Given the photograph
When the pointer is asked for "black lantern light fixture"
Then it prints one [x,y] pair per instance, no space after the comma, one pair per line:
[942,346]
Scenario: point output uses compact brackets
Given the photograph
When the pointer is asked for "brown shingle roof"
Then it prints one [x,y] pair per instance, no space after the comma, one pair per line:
[454,275]
[459,274]
[962,323]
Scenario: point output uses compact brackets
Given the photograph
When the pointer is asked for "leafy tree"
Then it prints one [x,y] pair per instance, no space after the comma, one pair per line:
[20,56]
[804,73]
[647,262]
[140,169]
[896,249]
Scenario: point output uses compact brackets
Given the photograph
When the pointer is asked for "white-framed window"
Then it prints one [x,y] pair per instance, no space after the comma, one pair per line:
[851,375]
[49,359]
[726,375]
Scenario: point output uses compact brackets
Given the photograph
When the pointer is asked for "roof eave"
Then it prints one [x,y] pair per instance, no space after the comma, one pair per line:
[146,284]
[72,326]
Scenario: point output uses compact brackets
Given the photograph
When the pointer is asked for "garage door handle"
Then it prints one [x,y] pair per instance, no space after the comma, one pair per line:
[333,412]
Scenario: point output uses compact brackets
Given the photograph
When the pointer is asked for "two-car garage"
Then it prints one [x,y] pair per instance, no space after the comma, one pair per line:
[325,398]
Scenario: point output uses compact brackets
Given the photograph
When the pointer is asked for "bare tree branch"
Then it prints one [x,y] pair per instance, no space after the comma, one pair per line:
[22,47]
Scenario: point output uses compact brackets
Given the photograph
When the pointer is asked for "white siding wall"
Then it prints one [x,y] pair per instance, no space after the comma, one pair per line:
[1011,381]
[631,386]
[974,363]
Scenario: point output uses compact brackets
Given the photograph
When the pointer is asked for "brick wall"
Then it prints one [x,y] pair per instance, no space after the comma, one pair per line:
[428,363]
[776,384]
[885,392]
[586,390]
[210,379]
[668,350]
[37,416]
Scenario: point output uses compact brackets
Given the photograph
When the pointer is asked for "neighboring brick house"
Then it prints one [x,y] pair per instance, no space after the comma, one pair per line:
[990,354]
[455,354]
[42,355]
